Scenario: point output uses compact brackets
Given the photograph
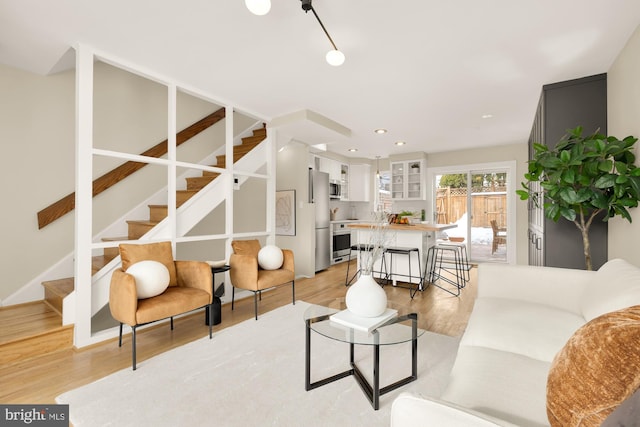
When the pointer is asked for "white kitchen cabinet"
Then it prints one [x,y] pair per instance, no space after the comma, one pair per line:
[359,183]
[332,167]
[407,180]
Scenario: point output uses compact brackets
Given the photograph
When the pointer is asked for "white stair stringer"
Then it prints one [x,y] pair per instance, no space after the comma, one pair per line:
[188,215]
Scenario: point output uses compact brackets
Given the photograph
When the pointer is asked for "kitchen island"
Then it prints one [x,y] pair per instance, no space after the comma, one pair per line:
[421,236]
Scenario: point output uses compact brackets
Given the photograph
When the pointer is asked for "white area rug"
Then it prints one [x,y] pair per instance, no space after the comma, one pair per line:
[252,374]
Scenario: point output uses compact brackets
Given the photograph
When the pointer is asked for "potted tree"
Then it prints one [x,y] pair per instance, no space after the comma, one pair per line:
[582,177]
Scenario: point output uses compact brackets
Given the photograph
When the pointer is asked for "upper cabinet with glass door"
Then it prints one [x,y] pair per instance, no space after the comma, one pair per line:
[344,182]
[407,180]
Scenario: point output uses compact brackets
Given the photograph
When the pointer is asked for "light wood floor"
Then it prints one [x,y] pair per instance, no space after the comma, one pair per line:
[39,381]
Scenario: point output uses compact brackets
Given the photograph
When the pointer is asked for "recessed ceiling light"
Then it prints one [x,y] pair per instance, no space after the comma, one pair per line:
[487,116]
[400,143]
[353,150]
[380,131]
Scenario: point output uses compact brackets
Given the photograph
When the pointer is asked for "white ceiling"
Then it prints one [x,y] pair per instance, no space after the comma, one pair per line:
[426,70]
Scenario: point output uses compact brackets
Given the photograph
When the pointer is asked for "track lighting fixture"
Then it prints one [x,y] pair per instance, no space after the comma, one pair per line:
[334,57]
[261,7]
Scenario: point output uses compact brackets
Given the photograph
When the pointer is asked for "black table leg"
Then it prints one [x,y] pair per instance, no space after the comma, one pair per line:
[372,391]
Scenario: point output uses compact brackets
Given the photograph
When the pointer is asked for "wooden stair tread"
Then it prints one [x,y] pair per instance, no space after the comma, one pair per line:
[31,330]
[254,139]
[113,239]
[199,182]
[60,287]
[99,261]
[23,320]
[142,222]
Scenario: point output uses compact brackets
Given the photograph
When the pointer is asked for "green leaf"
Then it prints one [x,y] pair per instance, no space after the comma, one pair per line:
[547,185]
[621,167]
[565,156]
[585,194]
[621,179]
[605,181]
[625,214]
[590,168]
[584,180]
[550,162]
[634,183]
[524,195]
[576,132]
[605,166]
[540,147]
[569,176]
[569,195]
[568,213]
[599,201]
[628,202]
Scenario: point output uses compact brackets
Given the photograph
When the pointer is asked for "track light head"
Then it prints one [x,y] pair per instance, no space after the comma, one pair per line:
[306,5]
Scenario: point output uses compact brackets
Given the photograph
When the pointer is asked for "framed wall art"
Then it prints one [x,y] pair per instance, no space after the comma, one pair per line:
[286,213]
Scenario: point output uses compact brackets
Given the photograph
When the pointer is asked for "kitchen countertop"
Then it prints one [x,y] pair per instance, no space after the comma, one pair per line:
[409,227]
[346,220]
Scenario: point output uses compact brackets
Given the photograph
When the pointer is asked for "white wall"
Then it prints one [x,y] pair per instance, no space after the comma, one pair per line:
[623,102]
[292,174]
[37,134]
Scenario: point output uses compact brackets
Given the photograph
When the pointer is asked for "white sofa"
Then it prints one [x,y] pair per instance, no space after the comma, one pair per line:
[522,317]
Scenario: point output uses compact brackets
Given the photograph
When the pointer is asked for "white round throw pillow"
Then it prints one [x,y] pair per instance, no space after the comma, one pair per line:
[152,278]
[270,257]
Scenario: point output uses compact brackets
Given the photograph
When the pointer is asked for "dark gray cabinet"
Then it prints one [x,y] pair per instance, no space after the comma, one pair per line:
[563,106]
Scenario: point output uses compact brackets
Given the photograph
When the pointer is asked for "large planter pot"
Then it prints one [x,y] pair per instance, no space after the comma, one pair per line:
[365,298]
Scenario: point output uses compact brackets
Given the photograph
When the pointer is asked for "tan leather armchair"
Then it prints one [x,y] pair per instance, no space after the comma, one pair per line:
[246,274]
[190,288]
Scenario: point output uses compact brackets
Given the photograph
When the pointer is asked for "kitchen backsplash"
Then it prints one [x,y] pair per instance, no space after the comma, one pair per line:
[350,210]
[362,210]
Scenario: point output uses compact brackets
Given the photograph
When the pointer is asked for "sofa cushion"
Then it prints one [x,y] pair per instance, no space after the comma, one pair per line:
[531,329]
[175,300]
[615,285]
[412,410]
[597,369]
[500,384]
[161,252]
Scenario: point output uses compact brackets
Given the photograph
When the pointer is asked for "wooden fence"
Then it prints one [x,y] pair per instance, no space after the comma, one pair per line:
[486,205]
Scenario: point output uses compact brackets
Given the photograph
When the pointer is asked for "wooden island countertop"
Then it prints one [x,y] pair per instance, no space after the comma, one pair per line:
[408,227]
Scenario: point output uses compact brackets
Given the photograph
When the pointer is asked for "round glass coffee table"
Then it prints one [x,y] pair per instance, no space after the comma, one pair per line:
[400,328]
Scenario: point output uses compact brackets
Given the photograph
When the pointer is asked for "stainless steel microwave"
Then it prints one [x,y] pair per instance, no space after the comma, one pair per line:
[334,190]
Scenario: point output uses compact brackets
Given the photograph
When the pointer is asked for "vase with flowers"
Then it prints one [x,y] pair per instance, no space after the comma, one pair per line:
[366,298]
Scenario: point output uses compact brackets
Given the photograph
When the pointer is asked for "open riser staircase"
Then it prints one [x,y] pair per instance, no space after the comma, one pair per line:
[201,196]
[191,211]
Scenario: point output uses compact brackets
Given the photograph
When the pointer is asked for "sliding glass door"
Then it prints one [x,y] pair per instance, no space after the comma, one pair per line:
[476,199]
[488,201]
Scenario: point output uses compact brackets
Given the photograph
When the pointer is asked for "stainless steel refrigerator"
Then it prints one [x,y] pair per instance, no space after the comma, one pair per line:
[319,196]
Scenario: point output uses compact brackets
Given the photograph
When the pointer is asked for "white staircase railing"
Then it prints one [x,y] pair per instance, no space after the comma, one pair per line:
[188,215]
